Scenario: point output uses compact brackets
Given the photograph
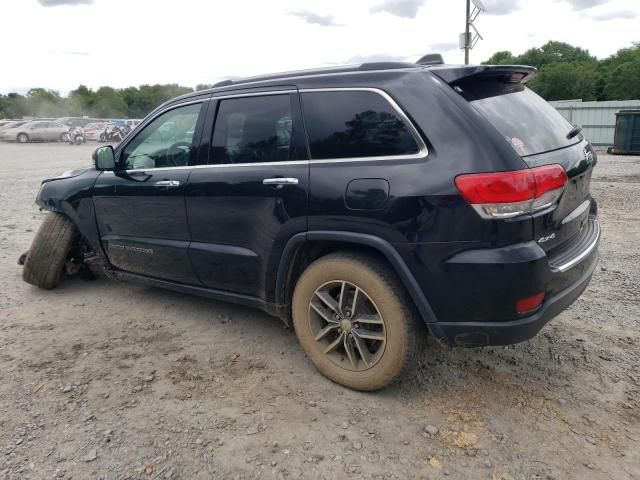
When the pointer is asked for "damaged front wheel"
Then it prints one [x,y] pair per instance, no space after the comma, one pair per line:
[45,261]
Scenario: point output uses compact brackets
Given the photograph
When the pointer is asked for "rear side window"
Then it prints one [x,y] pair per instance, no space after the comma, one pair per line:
[352,124]
[253,130]
[528,122]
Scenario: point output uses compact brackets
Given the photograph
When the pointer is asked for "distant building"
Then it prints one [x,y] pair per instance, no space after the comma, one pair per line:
[598,119]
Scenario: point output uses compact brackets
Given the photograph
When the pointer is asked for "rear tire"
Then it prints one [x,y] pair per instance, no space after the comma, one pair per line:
[22,138]
[45,260]
[376,336]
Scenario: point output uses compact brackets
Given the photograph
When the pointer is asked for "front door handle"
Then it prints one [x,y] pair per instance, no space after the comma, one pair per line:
[280,181]
[167,183]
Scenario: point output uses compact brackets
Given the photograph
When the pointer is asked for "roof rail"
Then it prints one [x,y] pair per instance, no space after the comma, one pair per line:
[369,66]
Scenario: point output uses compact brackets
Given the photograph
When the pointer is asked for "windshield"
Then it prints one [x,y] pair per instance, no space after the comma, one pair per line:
[528,122]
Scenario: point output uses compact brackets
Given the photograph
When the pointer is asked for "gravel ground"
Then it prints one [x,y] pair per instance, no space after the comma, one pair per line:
[122,381]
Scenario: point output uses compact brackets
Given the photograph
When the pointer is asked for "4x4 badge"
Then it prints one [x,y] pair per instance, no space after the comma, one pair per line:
[547,238]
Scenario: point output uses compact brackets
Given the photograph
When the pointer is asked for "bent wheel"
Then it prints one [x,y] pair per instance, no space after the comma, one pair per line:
[44,264]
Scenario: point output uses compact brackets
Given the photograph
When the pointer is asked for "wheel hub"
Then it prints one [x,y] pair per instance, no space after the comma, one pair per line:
[347,326]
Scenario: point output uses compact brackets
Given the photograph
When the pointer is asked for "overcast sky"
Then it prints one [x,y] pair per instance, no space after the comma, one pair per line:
[60,44]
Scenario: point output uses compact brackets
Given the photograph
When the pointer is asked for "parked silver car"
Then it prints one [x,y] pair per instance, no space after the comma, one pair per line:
[4,125]
[37,130]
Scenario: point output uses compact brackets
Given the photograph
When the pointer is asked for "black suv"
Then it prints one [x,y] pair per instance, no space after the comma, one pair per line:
[358,204]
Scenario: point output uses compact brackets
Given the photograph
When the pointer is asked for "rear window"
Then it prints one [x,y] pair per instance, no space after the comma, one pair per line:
[350,124]
[527,121]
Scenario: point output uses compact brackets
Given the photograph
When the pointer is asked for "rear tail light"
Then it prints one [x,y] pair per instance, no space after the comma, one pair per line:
[509,194]
[529,304]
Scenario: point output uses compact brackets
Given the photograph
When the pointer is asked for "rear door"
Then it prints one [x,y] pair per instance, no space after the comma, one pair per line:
[140,208]
[249,196]
[540,136]
[38,131]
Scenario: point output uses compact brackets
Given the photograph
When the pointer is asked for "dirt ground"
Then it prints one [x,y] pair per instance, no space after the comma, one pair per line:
[100,380]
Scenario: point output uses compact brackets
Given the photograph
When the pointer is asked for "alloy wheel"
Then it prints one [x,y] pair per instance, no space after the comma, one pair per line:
[347,325]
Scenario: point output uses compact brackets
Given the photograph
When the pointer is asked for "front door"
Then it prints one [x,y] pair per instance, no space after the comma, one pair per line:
[250,195]
[140,207]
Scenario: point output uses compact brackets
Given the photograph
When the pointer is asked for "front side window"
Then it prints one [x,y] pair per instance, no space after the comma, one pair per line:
[253,130]
[165,142]
[352,124]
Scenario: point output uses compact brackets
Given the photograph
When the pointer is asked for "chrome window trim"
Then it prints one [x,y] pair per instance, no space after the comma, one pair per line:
[220,165]
[422,152]
[150,119]
[141,126]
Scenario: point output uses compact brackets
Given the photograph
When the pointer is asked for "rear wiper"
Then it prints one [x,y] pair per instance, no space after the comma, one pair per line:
[574,131]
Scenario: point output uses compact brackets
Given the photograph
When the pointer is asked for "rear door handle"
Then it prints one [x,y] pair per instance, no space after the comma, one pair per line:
[167,183]
[280,181]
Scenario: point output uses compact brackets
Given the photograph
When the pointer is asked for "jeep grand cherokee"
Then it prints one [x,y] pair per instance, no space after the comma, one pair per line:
[358,204]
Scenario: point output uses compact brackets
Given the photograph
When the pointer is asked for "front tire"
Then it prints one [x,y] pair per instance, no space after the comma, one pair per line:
[354,321]
[22,138]
[45,260]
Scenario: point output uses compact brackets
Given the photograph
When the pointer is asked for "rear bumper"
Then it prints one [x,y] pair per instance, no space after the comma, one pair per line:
[473,293]
[474,334]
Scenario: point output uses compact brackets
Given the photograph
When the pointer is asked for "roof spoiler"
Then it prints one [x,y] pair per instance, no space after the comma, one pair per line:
[456,74]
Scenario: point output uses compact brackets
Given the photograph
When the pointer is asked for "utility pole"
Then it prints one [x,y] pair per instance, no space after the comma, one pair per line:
[467,39]
[467,36]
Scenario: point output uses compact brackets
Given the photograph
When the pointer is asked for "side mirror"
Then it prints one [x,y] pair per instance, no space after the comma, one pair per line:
[104,158]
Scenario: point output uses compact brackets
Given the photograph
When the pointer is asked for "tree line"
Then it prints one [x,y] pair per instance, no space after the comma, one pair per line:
[105,102]
[565,72]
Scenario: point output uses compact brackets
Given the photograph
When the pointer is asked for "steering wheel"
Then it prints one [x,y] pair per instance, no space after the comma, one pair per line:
[176,149]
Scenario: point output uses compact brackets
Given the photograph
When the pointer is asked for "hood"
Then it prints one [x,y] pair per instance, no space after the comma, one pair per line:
[68,174]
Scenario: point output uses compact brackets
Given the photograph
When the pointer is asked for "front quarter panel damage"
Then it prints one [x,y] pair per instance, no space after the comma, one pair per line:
[71,195]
